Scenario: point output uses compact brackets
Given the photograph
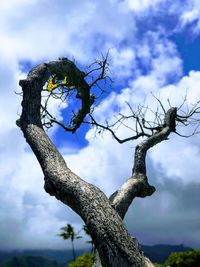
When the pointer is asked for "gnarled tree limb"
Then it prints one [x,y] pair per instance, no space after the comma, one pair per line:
[114,244]
[137,185]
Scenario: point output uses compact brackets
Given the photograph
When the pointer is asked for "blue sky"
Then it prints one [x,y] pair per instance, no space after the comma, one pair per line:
[154,47]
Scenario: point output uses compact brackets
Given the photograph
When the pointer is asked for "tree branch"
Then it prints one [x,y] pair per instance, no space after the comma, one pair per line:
[137,185]
[108,128]
[114,244]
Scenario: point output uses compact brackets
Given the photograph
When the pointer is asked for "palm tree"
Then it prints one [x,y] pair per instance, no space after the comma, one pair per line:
[68,233]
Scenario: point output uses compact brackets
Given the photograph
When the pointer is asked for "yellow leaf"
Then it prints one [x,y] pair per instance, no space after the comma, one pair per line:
[51,85]
[65,81]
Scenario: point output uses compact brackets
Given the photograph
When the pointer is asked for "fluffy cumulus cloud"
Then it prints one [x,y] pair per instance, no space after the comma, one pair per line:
[144,60]
[73,28]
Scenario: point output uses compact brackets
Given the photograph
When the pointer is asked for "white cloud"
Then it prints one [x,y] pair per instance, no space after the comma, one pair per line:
[190,16]
[179,156]
[45,30]
[28,212]
[141,5]
[122,62]
[50,29]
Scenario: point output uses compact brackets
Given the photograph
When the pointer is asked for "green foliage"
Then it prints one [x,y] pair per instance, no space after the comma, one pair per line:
[158,265]
[184,259]
[85,260]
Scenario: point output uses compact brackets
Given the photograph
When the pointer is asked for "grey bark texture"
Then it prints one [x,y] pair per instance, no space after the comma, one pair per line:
[102,216]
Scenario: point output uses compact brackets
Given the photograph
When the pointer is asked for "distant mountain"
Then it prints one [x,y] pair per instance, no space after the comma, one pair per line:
[30,261]
[62,256]
[157,253]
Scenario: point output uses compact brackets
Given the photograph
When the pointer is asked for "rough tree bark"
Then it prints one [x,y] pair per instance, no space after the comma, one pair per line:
[102,216]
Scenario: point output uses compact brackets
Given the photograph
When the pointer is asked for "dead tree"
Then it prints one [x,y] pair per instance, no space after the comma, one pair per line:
[103,216]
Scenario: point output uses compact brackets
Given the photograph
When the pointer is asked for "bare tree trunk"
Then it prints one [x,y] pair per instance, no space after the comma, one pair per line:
[114,244]
[73,250]
[102,216]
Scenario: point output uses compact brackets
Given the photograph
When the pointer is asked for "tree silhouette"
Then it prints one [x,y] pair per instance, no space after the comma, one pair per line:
[68,233]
